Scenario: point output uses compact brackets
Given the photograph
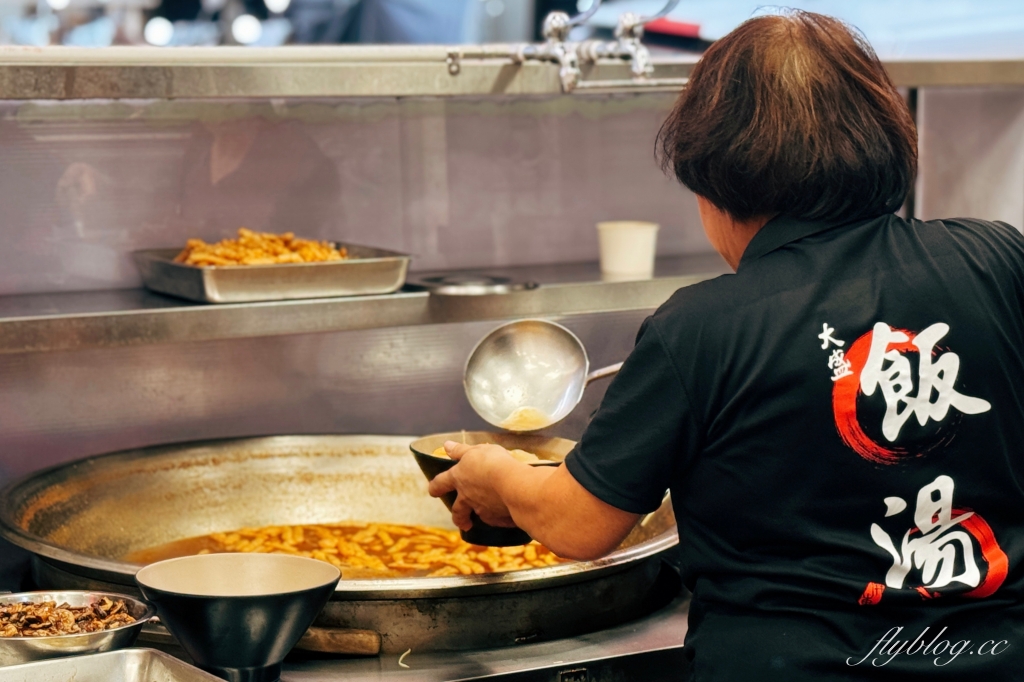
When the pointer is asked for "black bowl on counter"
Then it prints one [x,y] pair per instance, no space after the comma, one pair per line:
[551,452]
[238,615]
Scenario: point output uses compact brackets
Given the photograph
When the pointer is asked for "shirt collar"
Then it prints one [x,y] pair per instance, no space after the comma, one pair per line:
[782,230]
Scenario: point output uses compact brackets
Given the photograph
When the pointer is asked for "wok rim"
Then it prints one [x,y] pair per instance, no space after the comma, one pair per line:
[123,572]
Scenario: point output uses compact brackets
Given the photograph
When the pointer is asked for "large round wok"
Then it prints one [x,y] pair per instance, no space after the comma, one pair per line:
[80,519]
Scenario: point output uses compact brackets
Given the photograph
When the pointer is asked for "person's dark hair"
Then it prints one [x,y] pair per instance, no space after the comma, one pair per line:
[792,115]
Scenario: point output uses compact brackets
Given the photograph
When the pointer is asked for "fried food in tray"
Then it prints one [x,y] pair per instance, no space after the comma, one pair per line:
[47,619]
[373,550]
[259,248]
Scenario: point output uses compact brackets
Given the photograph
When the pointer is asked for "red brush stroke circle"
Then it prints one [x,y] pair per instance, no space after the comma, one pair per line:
[998,564]
[995,557]
[844,402]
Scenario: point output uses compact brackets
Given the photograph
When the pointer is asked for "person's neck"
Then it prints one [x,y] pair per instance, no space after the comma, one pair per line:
[740,235]
[729,236]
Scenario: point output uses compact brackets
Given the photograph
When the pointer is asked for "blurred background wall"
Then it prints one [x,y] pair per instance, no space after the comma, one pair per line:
[456,183]
[909,28]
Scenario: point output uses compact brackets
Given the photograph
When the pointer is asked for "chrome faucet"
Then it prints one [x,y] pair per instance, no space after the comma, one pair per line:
[569,55]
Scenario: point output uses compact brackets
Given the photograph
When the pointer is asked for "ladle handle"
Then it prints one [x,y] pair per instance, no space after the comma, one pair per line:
[340,641]
[603,373]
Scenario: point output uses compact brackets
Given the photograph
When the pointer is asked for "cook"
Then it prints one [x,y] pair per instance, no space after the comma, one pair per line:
[840,422]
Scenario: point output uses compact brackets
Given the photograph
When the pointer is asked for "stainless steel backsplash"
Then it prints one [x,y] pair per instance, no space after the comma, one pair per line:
[971,143]
[60,406]
[456,183]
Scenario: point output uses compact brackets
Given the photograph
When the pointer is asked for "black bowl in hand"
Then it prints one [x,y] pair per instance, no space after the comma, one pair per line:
[238,615]
[551,452]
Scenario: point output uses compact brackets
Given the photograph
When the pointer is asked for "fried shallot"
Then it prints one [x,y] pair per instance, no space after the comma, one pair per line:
[47,619]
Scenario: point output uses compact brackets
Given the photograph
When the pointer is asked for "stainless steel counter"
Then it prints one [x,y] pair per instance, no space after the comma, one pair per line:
[48,322]
[361,71]
[650,649]
[294,71]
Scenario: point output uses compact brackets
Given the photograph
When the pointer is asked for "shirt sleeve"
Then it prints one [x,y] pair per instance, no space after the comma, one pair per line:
[644,430]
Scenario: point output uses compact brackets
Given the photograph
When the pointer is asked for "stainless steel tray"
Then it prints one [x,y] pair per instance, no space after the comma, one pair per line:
[126,665]
[366,272]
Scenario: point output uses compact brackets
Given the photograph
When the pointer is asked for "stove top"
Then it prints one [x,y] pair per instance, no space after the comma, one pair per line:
[646,650]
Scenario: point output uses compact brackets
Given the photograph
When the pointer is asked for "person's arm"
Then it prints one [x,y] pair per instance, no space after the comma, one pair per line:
[546,502]
[630,453]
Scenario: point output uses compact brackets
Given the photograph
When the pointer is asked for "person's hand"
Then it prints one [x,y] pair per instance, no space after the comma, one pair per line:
[478,470]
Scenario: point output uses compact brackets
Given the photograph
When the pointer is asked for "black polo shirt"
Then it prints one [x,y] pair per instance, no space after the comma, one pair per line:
[841,426]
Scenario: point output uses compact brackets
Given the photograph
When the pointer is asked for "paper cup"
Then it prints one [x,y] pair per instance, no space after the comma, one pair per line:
[627,249]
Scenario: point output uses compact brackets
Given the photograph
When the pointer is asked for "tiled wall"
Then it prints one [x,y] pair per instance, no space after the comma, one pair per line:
[457,183]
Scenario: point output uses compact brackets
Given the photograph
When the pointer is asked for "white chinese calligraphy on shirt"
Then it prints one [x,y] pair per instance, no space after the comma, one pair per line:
[827,338]
[896,382]
[940,542]
[840,366]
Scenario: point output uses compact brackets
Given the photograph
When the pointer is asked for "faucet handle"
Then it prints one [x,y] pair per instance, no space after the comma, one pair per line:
[632,25]
[557,24]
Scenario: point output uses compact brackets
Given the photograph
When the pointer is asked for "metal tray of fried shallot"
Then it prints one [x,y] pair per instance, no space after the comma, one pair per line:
[126,665]
[367,271]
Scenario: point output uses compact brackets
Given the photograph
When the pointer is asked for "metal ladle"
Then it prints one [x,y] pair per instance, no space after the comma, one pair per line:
[529,374]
